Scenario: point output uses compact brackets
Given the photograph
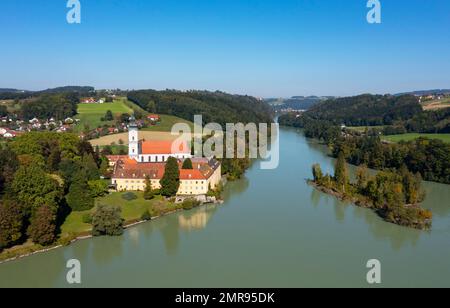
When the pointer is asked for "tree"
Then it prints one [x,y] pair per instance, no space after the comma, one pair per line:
[8,166]
[341,173]
[107,220]
[80,196]
[108,116]
[98,188]
[362,177]
[89,168]
[107,150]
[11,223]
[3,111]
[54,159]
[149,194]
[33,188]
[104,168]
[151,106]
[42,229]
[125,117]
[171,179]
[317,173]
[187,164]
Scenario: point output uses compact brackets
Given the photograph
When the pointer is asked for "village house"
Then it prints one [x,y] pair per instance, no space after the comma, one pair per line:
[154,117]
[147,159]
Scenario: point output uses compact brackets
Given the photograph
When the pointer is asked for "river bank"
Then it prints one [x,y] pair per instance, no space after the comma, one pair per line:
[30,249]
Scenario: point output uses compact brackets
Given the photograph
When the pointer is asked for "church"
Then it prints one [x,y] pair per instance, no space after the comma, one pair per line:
[146,159]
[153,151]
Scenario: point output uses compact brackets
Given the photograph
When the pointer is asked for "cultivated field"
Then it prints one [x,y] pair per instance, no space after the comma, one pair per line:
[10,105]
[438,104]
[409,137]
[91,114]
[362,129]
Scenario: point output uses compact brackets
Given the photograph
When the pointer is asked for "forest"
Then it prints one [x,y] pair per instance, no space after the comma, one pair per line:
[366,110]
[43,177]
[46,106]
[217,107]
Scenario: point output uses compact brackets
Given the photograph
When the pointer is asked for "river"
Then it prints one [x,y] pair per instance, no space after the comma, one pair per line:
[272,231]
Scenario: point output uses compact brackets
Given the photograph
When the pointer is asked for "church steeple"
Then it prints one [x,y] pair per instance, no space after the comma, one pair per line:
[133,139]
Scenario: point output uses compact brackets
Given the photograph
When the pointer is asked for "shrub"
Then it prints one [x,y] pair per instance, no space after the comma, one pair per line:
[189,204]
[107,220]
[146,216]
[129,196]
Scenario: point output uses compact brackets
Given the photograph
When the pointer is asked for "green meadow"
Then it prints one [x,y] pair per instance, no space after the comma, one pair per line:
[409,137]
[131,211]
[91,114]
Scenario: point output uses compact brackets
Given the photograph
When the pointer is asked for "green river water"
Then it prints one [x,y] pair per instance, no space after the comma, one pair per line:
[272,231]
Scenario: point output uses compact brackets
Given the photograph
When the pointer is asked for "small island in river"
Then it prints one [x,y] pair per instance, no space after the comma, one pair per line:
[394,195]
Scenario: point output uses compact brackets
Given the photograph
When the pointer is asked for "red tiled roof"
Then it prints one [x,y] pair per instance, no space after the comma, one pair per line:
[163,147]
[115,158]
[191,175]
[131,169]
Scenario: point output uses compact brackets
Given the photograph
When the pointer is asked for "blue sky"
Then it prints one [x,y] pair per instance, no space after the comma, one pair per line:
[264,48]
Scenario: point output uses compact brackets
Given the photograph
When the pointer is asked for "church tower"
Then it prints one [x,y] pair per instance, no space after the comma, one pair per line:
[133,139]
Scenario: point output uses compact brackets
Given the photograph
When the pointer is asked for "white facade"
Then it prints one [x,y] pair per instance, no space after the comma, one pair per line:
[160,158]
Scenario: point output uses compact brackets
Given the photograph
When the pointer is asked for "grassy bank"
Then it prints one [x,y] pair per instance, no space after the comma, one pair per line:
[74,227]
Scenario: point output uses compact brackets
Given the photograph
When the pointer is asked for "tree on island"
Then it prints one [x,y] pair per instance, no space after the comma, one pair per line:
[187,164]
[317,173]
[341,173]
[171,179]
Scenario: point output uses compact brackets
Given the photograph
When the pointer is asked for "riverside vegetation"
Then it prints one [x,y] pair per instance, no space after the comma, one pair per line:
[394,195]
[429,157]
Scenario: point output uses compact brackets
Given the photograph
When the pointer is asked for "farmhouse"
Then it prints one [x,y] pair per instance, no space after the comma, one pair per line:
[147,160]
[153,117]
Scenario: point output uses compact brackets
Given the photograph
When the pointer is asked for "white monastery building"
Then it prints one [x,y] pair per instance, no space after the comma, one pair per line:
[147,160]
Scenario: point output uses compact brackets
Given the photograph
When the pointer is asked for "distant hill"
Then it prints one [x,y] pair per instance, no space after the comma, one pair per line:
[9,93]
[215,107]
[66,89]
[427,92]
[366,110]
[295,102]
[8,90]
